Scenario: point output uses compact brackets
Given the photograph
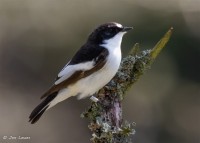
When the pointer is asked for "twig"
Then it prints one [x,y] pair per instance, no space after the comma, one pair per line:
[105,115]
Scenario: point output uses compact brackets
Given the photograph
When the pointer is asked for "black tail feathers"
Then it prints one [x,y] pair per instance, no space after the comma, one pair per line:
[41,108]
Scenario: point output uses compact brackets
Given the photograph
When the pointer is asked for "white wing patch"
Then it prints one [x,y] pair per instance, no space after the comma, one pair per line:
[68,70]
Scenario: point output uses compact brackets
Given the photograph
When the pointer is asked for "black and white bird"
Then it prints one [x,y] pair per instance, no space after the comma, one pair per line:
[91,68]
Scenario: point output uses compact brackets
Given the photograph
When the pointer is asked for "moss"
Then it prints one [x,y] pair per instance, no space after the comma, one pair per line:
[105,116]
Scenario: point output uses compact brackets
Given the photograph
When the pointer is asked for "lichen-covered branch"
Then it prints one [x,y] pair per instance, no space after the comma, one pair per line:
[105,116]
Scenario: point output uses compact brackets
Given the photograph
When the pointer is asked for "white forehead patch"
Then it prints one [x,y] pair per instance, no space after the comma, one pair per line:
[118,25]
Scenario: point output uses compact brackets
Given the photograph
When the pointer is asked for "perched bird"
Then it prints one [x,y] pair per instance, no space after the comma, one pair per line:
[91,68]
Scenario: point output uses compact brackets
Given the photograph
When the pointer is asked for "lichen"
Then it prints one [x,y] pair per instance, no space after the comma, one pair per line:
[106,115]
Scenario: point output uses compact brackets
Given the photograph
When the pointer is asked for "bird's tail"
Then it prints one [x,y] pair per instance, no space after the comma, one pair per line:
[41,108]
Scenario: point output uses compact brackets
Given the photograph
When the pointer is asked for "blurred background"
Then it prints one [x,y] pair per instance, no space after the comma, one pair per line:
[38,37]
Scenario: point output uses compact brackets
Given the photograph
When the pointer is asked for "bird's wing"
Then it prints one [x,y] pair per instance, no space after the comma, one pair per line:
[74,71]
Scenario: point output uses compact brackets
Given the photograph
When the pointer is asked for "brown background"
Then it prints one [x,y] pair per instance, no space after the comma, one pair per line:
[37,37]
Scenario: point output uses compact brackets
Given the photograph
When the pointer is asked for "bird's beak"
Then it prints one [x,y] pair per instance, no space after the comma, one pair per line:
[125,29]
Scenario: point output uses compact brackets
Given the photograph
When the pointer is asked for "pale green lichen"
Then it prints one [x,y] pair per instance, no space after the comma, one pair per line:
[106,115]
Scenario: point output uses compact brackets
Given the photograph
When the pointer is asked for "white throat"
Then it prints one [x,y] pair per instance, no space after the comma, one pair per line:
[114,42]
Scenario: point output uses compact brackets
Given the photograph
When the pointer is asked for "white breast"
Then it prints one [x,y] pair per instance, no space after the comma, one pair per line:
[97,80]
[91,84]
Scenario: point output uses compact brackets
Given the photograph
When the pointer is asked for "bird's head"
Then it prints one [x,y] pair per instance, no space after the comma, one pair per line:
[108,32]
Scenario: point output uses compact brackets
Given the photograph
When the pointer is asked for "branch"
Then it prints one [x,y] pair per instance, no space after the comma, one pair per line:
[105,116]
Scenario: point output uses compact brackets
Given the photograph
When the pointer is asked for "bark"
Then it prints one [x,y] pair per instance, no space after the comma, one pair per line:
[105,115]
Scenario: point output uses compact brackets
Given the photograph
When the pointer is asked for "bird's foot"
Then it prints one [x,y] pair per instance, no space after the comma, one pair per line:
[94,99]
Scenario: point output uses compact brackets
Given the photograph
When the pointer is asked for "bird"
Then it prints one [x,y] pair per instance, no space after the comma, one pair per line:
[91,68]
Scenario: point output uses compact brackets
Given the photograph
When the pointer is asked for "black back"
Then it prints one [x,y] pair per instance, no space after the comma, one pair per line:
[92,48]
[88,52]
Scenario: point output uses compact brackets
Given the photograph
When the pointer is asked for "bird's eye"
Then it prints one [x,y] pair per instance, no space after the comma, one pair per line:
[111,30]
[107,33]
